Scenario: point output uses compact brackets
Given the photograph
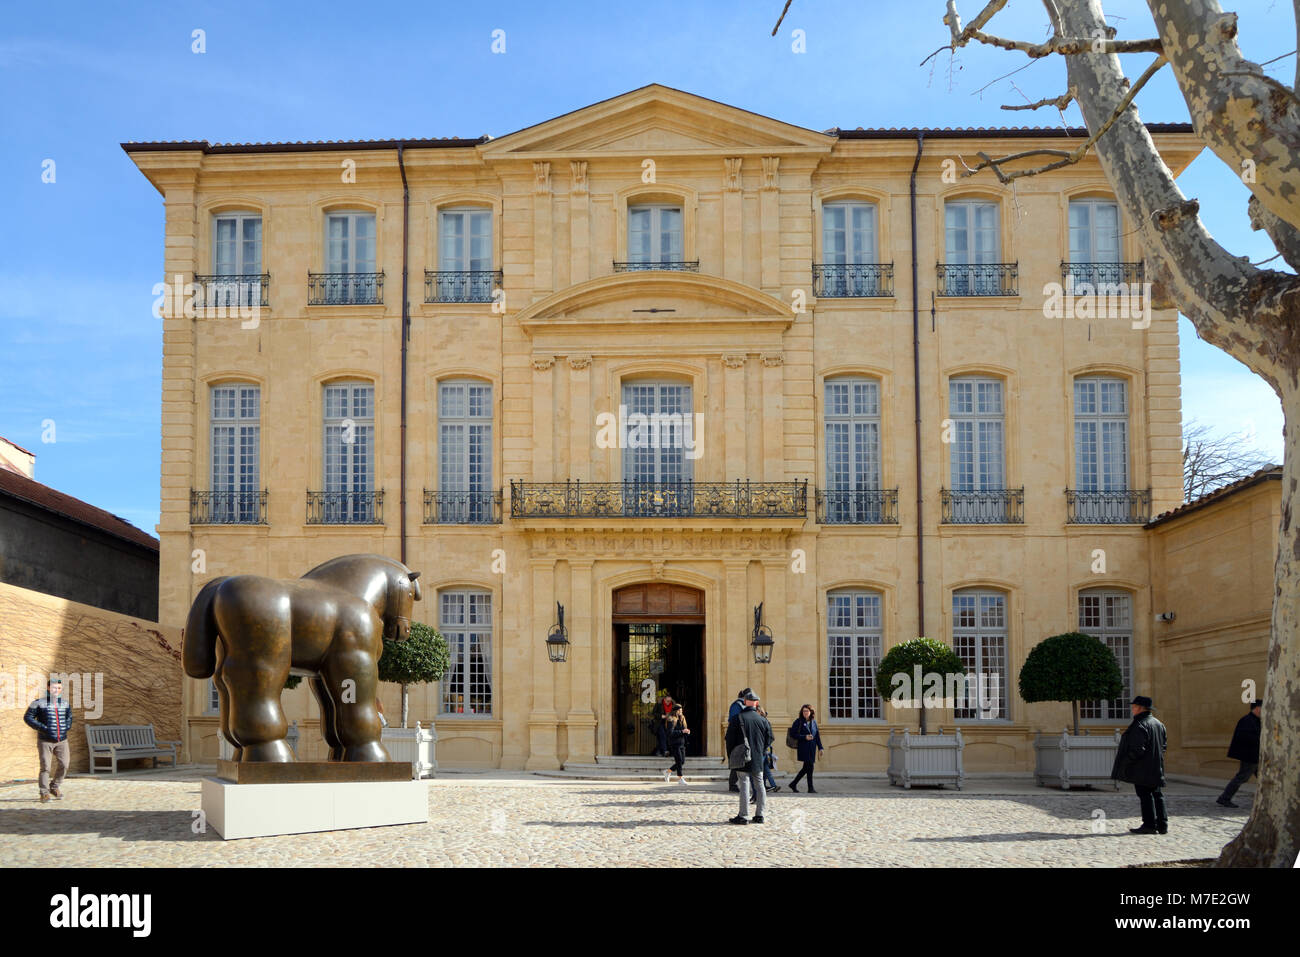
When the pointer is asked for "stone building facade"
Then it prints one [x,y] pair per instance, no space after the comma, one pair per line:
[867,458]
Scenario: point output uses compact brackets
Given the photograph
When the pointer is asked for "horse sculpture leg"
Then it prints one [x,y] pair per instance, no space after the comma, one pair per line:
[223,699]
[255,635]
[353,659]
[328,719]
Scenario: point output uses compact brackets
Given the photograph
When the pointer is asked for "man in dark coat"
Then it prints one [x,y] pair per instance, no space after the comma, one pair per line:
[50,717]
[749,725]
[1244,748]
[736,706]
[1140,760]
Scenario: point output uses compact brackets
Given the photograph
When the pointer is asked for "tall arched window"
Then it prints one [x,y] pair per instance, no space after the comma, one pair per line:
[235,495]
[852,420]
[1107,614]
[465,490]
[659,447]
[854,636]
[979,637]
[465,621]
[349,423]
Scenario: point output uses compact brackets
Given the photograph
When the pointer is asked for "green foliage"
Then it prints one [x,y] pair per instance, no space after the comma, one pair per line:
[292,682]
[1070,667]
[421,658]
[932,655]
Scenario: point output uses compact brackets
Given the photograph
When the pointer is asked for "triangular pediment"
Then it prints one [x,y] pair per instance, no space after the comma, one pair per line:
[658,119]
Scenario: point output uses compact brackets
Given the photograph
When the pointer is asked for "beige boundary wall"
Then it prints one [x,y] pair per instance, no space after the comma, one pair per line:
[138,661]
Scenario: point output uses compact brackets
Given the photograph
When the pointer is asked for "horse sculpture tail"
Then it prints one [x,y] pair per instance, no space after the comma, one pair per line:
[199,641]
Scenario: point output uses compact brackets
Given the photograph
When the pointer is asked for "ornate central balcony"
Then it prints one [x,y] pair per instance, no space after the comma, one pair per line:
[345,508]
[978,279]
[855,280]
[857,506]
[345,288]
[1115,507]
[658,499]
[461,285]
[674,265]
[227,508]
[231,291]
[1003,506]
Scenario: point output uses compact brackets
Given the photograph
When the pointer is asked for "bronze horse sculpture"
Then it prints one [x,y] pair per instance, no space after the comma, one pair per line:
[249,633]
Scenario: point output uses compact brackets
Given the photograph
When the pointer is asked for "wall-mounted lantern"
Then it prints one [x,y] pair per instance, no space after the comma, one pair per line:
[557,640]
[763,641]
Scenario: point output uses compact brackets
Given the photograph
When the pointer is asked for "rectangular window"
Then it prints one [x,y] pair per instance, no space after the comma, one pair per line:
[977,449]
[349,452]
[1108,616]
[854,633]
[236,440]
[849,233]
[237,244]
[465,492]
[465,240]
[1100,435]
[979,637]
[660,425]
[350,243]
[465,621]
[971,240]
[852,419]
[1094,231]
[654,234]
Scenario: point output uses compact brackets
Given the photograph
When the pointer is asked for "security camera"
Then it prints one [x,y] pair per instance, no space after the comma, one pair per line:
[1165,616]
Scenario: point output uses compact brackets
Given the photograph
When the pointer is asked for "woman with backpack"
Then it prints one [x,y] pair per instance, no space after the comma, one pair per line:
[804,737]
[675,726]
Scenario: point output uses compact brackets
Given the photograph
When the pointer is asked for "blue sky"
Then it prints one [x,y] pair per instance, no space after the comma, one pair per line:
[79,256]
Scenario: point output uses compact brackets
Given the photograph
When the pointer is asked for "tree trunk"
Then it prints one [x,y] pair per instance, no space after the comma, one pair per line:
[405,704]
[1271,837]
[923,731]
[1074,705]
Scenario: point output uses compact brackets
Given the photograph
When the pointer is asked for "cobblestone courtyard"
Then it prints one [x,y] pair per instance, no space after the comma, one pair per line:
[515,819]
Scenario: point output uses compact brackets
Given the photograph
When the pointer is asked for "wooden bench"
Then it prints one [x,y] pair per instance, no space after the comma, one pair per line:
[122,742]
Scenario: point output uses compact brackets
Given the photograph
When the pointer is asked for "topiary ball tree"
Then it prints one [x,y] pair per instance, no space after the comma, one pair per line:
[1072,667]
[933,657]
[421,658]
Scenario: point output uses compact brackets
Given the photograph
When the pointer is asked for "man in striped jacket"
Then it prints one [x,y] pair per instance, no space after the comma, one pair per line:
[50,716]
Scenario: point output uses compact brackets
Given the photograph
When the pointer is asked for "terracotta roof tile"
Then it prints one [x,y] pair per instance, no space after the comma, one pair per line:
[1255,478]
[42,496]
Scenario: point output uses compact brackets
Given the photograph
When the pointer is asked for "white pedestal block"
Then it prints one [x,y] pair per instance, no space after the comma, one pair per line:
[265,810]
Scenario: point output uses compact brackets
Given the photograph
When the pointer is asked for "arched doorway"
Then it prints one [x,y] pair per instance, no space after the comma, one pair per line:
[658,648]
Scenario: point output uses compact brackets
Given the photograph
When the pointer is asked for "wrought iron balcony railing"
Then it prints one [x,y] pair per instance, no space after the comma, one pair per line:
[445,507]
[345,288]
[978,279]
[1005,506]
[461,285]
[345,508]
[1102,274]
[857,506]
[227,508]
[838,281]
[232,291]
[1113,507]
[658,499]
[674,265]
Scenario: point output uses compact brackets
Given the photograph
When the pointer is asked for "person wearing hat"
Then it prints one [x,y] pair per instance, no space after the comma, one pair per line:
[1140,761]
[748,726]
[736,707]
[1244,748]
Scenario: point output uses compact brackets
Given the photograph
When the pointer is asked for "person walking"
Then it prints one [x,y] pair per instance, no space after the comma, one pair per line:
[809,748]
[1244,748]
[51,717]
[769,759]
[735,709]
[660,721]
[1140,761]
[748,737]
[677,732]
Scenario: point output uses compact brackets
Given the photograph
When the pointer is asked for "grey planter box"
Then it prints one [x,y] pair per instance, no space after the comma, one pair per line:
[926,758]
[1074,760]
[417,745]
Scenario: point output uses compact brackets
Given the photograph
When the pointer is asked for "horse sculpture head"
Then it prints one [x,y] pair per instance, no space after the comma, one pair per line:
[403,592]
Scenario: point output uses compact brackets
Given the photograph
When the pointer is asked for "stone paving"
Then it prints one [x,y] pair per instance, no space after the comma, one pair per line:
[501,818]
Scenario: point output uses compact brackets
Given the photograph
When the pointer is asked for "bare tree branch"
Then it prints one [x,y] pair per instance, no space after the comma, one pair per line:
[779,19]
[1103,40]
[1211,461]
[1060,102]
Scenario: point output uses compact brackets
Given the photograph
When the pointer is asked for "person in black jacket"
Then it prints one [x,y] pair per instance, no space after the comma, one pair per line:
[1140,760]
[1244,748]
[50,717]
[675,726]
[810,745]
[731,713]
[749,726]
